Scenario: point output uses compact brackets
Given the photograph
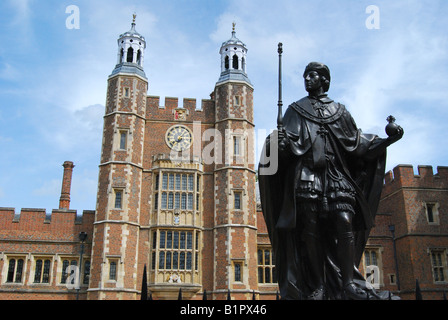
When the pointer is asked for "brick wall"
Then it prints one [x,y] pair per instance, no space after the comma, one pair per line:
[33,233]
[403,200]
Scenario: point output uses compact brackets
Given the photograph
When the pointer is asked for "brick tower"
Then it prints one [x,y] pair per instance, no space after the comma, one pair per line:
[235,225]
[117,222]
[176,190]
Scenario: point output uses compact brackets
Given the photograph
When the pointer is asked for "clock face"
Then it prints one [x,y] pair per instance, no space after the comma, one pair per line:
[179,138]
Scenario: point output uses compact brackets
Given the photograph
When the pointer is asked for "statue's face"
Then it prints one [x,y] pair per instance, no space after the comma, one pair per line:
[312,81]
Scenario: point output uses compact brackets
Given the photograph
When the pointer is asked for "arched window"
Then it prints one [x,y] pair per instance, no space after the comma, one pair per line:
[139,57]
[121,55]
[130,57]
[235,62]
[226,62]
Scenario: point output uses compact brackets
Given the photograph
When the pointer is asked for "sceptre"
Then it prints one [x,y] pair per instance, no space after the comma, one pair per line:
[280,102]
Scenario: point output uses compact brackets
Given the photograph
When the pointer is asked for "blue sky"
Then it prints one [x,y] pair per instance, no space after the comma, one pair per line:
[53,79]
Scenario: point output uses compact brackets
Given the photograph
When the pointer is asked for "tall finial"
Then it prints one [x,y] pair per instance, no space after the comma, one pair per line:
[233,26]
[133,17]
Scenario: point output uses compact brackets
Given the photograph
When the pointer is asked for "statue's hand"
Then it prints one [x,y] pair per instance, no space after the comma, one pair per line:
[397,136]
[283,140]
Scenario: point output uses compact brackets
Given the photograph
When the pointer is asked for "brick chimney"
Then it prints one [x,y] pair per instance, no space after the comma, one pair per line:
[64,201]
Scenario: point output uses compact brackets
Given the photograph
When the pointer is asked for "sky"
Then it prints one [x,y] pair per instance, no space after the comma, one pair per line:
[391,59]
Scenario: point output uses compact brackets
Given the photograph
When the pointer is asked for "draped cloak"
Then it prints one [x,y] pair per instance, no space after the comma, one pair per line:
[362,159]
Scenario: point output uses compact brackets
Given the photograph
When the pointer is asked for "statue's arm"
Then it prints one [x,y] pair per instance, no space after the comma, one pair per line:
[379,145]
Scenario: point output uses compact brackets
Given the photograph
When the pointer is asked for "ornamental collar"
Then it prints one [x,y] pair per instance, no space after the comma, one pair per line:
[305,109]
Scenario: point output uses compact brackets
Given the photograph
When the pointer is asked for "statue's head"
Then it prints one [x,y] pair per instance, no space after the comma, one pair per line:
[317,74]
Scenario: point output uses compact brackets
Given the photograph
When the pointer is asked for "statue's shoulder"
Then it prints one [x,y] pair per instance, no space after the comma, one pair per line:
[302,102]
[302,105]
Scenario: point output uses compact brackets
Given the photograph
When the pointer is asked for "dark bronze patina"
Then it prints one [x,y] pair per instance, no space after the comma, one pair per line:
[320,204]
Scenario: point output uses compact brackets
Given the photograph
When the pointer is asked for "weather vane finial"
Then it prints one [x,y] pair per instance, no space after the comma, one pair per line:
[133,17]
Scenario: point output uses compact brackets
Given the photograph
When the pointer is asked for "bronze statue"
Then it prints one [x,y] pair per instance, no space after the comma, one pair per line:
[321,203]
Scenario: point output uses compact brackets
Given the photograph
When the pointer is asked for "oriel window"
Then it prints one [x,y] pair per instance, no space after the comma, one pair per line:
[177,192]
[176,250]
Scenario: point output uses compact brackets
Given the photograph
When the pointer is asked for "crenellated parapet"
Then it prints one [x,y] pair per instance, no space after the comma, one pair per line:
[40,225]
[171,110]
[404,176]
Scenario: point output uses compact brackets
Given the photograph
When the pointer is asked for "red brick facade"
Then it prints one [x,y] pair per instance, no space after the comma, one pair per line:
[227,237]
[191,217]
[31,235]
[421,240]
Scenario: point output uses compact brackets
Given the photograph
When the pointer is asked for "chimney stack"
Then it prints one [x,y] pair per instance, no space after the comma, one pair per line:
[64,201]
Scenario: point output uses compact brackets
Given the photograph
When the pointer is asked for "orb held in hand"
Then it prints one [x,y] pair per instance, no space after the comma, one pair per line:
[392,127]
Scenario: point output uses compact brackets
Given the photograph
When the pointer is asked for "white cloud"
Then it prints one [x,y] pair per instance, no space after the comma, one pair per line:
[402,73]
[77,132]
[49,188]
[84,189]
[22,12]
[9,73]
[20,22]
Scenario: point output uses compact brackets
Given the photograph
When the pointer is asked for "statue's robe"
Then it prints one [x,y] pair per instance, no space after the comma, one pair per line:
[361,157]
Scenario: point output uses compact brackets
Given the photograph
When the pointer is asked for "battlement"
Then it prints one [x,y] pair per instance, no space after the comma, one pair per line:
[404,176]
[38,224]
[173,103]
[171,110]
[39,220]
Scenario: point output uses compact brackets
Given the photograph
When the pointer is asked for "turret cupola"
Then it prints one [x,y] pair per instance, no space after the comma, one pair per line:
[233,59]
[131,52]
